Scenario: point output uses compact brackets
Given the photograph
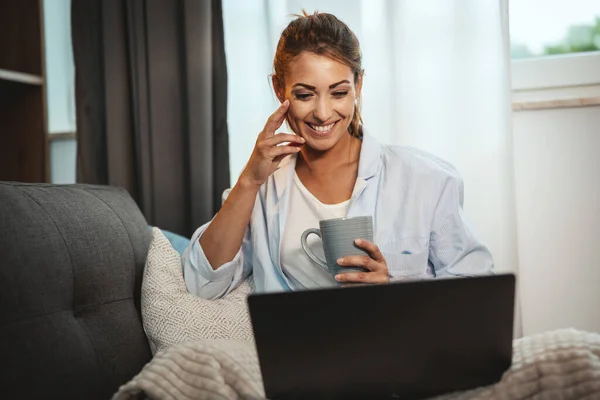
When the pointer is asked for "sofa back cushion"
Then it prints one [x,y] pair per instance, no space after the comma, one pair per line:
[71,263]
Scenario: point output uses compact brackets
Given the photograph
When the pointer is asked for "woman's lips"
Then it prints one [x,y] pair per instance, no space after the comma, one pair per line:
[321,130]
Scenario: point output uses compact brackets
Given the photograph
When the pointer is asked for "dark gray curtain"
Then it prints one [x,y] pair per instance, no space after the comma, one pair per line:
[151,95]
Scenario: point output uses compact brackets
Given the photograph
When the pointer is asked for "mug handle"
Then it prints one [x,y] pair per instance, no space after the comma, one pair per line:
[308,252]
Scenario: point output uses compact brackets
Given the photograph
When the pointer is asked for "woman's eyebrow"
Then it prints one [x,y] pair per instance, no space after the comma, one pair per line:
[310,87]
[304,85]
[338,83]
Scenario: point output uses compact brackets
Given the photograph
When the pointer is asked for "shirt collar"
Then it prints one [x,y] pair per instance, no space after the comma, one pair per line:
[370,157]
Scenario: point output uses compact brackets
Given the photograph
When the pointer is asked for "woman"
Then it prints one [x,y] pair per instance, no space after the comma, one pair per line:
[330,168]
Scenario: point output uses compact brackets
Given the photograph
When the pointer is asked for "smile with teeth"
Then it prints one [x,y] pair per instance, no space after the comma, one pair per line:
[321,128]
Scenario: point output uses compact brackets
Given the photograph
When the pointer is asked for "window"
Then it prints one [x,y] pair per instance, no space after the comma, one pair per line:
[60,90]
[542,28]
[555,45]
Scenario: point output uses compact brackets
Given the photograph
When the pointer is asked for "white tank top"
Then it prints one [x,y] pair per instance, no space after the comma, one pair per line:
[304,212]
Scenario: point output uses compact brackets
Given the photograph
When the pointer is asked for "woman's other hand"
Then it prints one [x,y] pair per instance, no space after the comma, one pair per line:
[268,151]
[374,262]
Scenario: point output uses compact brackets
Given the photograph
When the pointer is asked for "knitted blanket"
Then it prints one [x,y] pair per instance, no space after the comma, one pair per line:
[562,364]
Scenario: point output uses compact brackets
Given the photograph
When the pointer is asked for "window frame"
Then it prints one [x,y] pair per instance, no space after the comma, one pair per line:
[561,71]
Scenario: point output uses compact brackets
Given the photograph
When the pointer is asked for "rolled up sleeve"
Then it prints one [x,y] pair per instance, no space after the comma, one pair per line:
[204,281]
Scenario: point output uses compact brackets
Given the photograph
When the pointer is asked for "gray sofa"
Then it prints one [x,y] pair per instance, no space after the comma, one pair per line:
[71,264]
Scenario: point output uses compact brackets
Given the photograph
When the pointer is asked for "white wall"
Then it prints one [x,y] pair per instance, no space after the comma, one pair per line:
[557,185]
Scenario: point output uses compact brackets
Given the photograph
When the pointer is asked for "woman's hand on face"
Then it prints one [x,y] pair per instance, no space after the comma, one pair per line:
[375,263]
[268,153]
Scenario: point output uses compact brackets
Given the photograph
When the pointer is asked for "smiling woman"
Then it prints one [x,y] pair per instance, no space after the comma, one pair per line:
[329,168]
[318,107]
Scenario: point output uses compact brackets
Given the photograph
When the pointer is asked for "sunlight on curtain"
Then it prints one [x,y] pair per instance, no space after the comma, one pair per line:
[451,96]
[436,77]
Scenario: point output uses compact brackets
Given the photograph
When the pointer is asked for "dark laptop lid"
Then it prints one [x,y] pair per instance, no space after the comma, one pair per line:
[407,340]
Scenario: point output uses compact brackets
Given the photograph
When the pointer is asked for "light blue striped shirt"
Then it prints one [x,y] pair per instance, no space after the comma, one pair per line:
[418,222]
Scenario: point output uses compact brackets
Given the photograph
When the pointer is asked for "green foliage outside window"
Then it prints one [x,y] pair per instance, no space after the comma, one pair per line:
[579,39]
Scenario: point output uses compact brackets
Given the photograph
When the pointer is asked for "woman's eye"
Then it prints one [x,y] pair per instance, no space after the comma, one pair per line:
[339,95]
[303,96]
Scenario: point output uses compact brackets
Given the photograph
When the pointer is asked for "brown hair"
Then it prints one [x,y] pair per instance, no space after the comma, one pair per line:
[322,34]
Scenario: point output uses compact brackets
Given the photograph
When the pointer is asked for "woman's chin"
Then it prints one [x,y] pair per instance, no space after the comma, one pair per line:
[322,143]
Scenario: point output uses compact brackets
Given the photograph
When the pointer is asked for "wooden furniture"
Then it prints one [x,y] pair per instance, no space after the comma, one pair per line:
[23,127]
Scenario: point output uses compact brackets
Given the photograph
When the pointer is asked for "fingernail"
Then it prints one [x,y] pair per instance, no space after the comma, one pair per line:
[340,260]
[358,241]
[302,139]
[285,103]
[337,277]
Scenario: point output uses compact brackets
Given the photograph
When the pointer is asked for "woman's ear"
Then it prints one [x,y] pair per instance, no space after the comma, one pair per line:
[279,92]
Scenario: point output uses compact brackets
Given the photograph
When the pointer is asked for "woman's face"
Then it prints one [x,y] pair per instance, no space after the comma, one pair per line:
[322,95]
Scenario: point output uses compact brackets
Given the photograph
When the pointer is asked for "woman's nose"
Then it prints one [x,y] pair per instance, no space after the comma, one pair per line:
[323,110]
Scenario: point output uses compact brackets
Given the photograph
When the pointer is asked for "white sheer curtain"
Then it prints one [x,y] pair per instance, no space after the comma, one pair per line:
[437,78]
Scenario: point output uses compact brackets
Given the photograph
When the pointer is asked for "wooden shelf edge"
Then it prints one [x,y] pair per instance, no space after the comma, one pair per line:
[62,136]
[20,77]
[557,103]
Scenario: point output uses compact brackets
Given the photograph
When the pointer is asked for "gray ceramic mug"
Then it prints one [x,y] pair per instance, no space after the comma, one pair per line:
[338,237]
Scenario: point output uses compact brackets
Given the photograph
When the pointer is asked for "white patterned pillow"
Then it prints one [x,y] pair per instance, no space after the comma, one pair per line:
[172,315]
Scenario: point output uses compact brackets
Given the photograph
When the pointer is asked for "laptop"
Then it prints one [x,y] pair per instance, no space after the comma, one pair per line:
[403,340]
